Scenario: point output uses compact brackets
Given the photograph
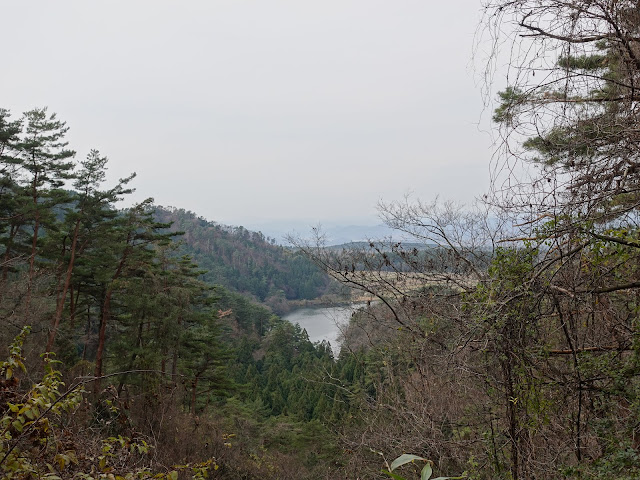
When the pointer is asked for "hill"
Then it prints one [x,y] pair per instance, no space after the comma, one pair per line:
[244,261]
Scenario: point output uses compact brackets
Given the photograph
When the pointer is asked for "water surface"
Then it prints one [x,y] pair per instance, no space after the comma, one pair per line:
[324,323]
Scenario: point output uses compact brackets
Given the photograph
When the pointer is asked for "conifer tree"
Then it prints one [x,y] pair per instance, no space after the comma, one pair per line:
[46,163]
[9,165]
[128,247]
[89,208]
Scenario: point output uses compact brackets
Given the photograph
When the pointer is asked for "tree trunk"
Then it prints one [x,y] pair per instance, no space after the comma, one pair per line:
[32,259]
[194,386]
[132,361]
[13,231]
[74,294]
[67,281]
[87,333]
[104,318]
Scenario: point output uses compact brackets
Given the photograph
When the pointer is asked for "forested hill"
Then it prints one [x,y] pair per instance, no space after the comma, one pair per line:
[246,261]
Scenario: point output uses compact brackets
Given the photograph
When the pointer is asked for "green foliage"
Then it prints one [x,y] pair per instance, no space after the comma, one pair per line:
[31,425]
[168,321]
[425,473]
[246,261]
[583,62]
[116,294]
[511,99]
[542,345]
[35,414]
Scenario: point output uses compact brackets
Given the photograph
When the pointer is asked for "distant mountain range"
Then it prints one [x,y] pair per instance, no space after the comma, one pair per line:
[335,234]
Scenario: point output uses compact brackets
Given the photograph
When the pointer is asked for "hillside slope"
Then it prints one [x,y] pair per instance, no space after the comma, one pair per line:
[245,261]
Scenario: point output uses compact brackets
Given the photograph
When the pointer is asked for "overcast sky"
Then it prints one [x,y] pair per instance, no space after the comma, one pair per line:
[252,111]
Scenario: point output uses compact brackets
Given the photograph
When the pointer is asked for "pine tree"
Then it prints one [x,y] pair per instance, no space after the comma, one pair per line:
[128,247]
[89,208]
[45,160]
[9,165]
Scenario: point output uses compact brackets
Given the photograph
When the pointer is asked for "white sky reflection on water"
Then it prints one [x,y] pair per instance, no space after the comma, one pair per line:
[323,323]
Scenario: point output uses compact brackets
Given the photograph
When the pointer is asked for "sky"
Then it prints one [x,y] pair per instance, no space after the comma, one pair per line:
[250,112]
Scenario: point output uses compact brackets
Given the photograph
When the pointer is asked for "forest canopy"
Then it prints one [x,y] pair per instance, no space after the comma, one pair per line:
[499,341]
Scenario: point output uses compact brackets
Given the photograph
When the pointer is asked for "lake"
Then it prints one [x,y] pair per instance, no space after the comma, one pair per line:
[323,323]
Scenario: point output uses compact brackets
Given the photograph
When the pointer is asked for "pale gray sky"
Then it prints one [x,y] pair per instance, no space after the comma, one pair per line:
[251,111]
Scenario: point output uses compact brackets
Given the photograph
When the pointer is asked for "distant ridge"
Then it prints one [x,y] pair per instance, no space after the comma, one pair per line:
[334,234]
[383,245]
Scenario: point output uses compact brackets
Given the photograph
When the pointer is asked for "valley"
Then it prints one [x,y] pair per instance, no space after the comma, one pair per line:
[485,327]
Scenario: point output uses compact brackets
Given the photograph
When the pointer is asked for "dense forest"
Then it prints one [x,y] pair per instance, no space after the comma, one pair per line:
[246,262]
[112,296]
[501,341]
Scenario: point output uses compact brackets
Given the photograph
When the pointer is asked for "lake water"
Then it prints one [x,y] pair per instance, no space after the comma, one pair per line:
[323,323]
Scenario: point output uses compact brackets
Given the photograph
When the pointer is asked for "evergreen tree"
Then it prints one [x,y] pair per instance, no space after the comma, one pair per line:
[45,160]
[128,248]
[9,165]
[89,208]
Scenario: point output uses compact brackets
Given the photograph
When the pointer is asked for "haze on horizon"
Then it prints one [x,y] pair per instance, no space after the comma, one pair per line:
[254,112]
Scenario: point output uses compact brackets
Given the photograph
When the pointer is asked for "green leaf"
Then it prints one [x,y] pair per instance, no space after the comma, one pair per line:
[393,475]
[426,471]
[404,459]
